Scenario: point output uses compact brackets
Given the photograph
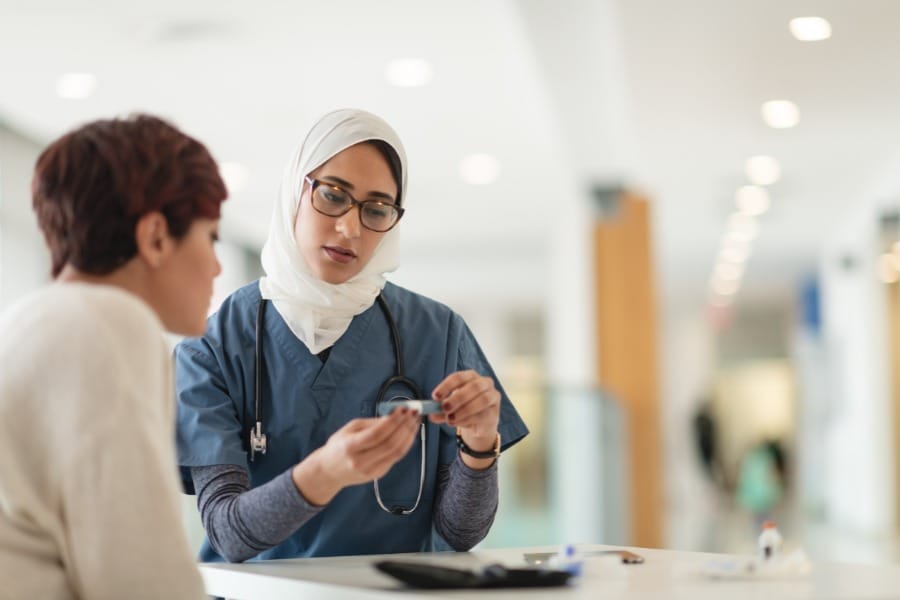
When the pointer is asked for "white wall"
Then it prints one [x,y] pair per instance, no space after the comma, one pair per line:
[24,260]
[859,491]
[593,141]
[687,359]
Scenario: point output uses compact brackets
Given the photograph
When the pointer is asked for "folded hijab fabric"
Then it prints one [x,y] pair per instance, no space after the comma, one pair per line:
[316,311]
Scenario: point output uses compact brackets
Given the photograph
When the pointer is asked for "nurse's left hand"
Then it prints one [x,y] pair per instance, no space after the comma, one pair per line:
[471,403]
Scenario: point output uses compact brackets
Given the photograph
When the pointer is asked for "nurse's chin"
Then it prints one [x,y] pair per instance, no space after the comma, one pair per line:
[336,274]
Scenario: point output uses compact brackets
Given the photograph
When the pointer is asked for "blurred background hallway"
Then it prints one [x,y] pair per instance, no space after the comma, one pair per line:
[686,258]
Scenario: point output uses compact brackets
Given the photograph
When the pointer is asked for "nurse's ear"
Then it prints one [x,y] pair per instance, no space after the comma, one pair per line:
[154,243]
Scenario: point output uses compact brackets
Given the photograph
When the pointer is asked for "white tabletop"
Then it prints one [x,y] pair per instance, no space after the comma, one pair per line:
[664,574]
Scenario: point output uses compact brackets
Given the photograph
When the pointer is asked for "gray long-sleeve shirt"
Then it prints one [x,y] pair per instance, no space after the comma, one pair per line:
[242,522]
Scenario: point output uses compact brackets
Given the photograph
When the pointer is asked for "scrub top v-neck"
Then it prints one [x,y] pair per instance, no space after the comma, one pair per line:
[306,399]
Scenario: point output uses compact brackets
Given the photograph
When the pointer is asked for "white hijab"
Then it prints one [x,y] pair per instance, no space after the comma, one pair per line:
[316,311]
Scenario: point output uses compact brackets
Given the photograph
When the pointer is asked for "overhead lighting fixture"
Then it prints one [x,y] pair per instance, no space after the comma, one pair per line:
[810,29]
[762,170]
[725,288]
[76,86]
[742,226]
[780,114]
[720,301]
[408,72]
[726,271]
[235,176]
[735,238]
[751,200]
[479,169]
[735,253]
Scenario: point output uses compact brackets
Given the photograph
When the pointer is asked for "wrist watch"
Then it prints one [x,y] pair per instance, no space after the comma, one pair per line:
[464,448]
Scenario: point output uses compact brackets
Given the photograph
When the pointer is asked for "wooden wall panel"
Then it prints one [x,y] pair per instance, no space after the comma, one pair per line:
[627,353]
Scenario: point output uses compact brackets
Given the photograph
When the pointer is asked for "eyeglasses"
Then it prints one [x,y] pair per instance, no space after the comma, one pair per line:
[335,201]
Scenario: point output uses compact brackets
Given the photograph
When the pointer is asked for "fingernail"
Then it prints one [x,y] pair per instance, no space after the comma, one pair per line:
[451,417]
[438,395]
[403,410]
[446,407]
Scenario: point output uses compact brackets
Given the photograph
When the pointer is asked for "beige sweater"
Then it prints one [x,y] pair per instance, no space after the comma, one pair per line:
[88,489]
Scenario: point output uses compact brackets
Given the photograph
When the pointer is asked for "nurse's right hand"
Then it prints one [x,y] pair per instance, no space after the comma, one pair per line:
[359,452]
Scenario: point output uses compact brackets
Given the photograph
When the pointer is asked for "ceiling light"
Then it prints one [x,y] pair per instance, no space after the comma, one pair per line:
[762,170]
[735,253]
[739,237]
[742,226]
[752,200]
[780,114]
[725,288]
[235,176]
[479,169]
[76,86]
[720,301]
[810,29]
[408,72]
[726,271]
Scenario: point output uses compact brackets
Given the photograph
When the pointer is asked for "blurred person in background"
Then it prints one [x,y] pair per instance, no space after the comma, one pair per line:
[277,427]
[706,437]
[89,496]
[761,480]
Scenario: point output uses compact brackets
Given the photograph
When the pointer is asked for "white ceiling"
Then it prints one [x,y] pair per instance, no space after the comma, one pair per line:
[662,95]
[698,71]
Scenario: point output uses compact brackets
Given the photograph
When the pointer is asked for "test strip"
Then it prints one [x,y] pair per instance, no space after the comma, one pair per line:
[425,407]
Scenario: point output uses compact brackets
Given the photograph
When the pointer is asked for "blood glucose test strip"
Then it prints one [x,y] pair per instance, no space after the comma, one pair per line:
[425,407]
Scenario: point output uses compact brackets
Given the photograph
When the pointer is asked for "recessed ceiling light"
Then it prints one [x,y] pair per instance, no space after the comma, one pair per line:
[408,72]
[740,236]
[76,86]
[742,226]
[235,176]
[720,301]
[479,169]
[780,114]
[762,170]
[727,271]
[810,29]
[752,200]
[735,253]
[725,288]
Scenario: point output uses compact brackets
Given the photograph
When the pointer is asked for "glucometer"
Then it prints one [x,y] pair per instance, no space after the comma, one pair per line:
[423,575]
[425,407]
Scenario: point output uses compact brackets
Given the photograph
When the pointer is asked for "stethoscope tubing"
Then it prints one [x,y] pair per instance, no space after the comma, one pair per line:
[258,439]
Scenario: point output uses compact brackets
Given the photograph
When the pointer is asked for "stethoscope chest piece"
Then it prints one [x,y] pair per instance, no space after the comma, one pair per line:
[257,441]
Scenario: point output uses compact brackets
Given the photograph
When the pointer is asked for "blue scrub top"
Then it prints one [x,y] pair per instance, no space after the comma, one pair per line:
[304,401]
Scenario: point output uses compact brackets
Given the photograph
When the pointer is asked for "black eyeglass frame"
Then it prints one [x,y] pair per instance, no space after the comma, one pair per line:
[314,183]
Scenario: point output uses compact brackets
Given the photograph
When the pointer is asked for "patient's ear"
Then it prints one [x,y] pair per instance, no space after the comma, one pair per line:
[151,235]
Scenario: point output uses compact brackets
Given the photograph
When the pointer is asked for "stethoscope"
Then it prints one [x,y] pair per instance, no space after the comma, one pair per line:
[258,439]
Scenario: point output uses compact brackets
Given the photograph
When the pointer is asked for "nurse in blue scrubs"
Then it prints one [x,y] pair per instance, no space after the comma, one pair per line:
[278,427]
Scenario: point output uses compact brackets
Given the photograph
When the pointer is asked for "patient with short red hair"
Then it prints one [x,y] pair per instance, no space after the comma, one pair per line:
[89,497]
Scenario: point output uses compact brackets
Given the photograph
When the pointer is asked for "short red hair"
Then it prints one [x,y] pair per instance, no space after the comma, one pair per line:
[92,185]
